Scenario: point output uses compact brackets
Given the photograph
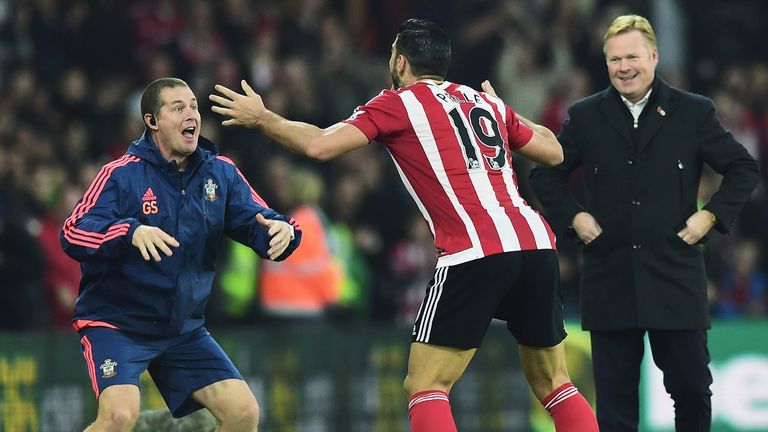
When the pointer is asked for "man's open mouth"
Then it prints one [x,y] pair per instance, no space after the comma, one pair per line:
[189,132]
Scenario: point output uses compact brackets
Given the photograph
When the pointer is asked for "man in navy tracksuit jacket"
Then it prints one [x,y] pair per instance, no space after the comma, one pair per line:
[147,233]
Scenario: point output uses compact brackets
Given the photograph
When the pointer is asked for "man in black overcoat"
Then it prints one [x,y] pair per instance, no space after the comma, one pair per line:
[642,145]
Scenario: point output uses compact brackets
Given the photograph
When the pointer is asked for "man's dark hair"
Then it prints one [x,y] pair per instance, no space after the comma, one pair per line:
[150,99]
[425,45]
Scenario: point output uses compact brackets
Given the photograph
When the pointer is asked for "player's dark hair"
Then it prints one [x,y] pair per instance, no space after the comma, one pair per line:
[150,99]
[425,45]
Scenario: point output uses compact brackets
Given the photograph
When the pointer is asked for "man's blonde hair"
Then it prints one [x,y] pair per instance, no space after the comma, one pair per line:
[628,23]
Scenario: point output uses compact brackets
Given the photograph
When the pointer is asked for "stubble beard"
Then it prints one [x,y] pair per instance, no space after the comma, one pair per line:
[396,82]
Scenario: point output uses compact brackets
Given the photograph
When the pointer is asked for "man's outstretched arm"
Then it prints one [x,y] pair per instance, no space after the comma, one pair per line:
[248,110]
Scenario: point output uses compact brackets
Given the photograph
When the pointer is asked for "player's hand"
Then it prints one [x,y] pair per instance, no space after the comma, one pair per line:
[586,227]
[697,226]
[243,109]
[149,239]
[488,88]
[281,234]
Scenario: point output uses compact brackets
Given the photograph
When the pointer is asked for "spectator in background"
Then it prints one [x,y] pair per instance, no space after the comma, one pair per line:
[22,305]
[298,87]
[643,144]
[21,291]
[366,207]
[200,45]
[743,289]
[61,274]
[307,284]
[141,305]
[574,87]
[759,107]
[74,96]
[344,203]
[410,262]
[236,23]
[495,254]
[346,76]
[523,77]
[156,25]
[236,299]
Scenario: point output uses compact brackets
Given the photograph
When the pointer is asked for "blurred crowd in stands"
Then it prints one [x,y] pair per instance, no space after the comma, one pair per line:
[71,73]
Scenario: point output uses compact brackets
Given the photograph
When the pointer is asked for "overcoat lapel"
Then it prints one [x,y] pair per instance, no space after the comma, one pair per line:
[613,111]
[662,108]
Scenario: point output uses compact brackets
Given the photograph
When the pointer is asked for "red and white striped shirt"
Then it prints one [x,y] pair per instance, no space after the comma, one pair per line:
[452,147]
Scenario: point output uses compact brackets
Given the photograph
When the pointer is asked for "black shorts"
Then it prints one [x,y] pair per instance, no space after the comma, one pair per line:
[521,288]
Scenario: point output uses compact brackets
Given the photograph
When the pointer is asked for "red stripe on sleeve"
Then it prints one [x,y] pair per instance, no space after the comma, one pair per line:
[256,197]
[78,242]
[94,190]
[95,239]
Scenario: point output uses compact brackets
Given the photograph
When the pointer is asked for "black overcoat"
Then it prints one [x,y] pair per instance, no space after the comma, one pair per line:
[641,185]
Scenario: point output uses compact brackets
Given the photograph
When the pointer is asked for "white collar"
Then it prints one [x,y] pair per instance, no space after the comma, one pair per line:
[636,108]
[641,103]
[430,81]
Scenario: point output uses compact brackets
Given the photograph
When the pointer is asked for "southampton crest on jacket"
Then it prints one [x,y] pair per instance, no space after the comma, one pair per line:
[210,190]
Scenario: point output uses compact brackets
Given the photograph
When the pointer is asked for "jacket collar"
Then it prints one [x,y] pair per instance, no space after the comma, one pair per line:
[657,111]
[146,149]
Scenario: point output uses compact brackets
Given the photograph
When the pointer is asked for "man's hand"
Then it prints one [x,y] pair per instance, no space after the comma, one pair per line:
[243,109]
[586,227]
[488,88]
[148,239]
[281,233]
[697,226]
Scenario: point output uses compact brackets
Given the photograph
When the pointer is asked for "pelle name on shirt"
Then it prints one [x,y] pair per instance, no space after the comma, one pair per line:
[446,97]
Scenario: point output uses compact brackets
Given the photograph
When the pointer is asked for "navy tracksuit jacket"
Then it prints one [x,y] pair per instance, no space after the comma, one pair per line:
[210,199]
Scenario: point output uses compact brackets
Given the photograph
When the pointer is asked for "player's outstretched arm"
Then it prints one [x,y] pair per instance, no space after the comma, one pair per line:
[248,110]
